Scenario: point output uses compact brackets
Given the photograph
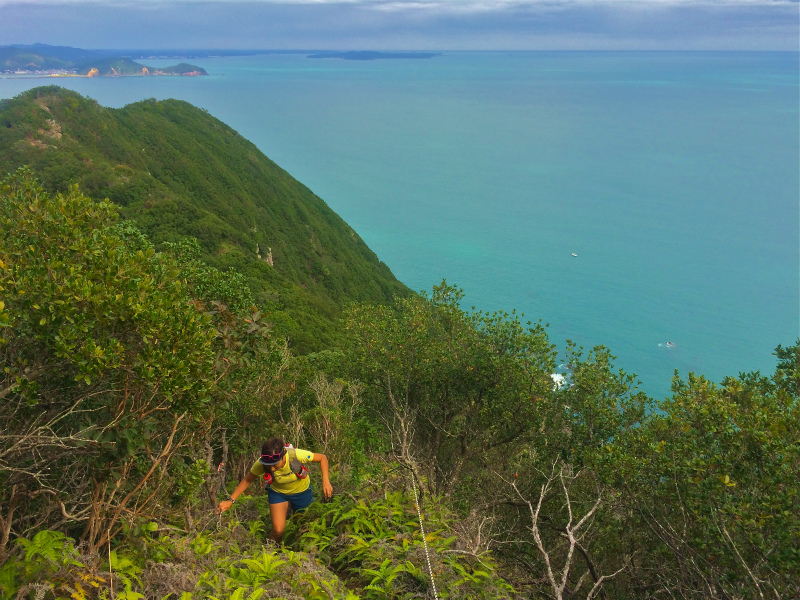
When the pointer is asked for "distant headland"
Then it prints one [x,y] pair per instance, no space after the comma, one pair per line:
[64,61]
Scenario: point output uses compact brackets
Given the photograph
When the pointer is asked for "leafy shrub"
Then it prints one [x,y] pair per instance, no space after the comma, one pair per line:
[108,368]
[374,543]
[50,566]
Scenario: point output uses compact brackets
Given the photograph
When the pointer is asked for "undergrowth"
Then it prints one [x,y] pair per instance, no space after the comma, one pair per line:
[374,544]
[351,547]
[233,561]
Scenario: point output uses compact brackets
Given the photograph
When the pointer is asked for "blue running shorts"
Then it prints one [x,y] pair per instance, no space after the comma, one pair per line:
[298,502]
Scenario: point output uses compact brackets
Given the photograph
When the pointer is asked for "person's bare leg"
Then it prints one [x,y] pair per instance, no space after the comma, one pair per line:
[277,513]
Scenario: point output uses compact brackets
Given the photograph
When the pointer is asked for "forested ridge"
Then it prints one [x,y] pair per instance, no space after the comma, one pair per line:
[180,173]
[141,374]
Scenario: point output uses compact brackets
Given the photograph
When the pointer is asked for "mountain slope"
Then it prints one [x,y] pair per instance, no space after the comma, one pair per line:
[179,172]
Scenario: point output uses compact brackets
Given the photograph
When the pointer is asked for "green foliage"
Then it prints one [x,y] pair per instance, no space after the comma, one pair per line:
[51,567]
[596,406]
[207,284]
[375,544]
[556,470]
[188,478]
[179,69]
[329,416]
[264,567]
[51,546]
[126,571]
[106,358]
[232,562]
[787,375]
[13,58]
[714,473]
[251,364]
[63,284]
[476,380]
[226,563]
[110,365]
[116,66]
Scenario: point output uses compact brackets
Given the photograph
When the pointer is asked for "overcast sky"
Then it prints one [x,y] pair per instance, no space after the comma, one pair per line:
[405,24]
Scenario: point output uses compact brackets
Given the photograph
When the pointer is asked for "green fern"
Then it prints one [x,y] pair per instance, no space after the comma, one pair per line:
[50,545]
[265,566]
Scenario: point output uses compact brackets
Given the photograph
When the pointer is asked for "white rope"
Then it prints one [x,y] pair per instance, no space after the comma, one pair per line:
[422,529]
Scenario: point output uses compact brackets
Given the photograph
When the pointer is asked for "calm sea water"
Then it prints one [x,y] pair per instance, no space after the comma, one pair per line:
[672,176]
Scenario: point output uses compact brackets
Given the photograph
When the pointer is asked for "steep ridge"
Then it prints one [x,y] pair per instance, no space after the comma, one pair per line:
[179,172]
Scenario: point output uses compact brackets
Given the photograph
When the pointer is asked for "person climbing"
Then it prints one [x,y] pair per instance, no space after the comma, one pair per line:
[288,483]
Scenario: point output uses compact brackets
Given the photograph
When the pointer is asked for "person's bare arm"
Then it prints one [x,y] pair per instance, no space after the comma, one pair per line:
[243,485]
[327,489]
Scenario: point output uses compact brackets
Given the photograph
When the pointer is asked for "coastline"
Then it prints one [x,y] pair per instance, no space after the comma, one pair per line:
[95,76]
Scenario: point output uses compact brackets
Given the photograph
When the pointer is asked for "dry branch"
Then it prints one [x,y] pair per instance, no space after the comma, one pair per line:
[558,575]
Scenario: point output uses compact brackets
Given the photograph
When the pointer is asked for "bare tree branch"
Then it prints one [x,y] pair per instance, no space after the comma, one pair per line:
[573,532]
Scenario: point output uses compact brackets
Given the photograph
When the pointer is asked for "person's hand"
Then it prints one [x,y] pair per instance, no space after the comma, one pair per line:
[223,506]
[327,489]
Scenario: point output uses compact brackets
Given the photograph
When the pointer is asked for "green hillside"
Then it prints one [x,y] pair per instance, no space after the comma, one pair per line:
[179,172]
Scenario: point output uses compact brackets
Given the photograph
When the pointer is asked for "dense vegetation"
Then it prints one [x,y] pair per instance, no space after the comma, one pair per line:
[139,381]
[178,172]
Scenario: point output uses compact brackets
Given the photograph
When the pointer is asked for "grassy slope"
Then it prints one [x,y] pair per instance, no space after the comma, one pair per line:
[180,172]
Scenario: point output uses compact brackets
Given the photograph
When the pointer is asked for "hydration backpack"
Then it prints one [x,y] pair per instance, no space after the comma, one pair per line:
[298,468]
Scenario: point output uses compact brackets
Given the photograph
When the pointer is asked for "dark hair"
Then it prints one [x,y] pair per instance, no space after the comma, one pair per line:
[272,446]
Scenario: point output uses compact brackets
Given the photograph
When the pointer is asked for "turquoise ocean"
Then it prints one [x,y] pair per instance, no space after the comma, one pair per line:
[674,178]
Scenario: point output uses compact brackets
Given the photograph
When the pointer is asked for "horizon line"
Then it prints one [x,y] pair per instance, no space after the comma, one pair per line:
[252,51]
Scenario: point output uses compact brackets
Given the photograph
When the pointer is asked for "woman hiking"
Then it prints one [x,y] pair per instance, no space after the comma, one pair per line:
[287,479]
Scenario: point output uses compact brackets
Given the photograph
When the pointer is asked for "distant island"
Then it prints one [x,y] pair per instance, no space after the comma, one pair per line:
[372,55]
[64,61]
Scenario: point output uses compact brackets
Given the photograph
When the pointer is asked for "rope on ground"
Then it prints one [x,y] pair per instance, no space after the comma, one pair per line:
[422,529]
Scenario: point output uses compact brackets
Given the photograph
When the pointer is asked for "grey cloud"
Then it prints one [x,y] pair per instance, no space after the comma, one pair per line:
[399,24]
[444,5]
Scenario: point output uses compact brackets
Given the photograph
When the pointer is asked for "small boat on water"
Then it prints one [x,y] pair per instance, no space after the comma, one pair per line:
[575,255]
